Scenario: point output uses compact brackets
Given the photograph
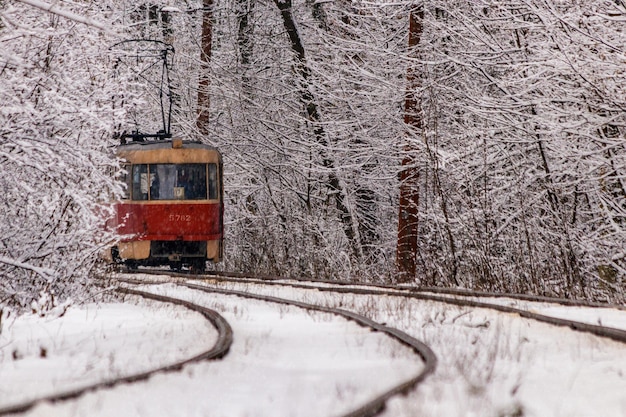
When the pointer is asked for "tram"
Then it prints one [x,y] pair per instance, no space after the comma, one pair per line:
[172,212]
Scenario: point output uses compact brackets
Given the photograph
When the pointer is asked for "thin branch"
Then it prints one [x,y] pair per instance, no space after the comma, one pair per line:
[43,272]
[51,8]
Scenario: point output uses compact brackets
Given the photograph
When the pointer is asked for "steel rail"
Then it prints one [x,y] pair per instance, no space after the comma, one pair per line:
[618,335]
[217,351]
[376,405]
[238,276]
[461,292]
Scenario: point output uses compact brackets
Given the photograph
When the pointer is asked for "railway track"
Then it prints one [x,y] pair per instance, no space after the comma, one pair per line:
[294,281]
[458,297]
[374,405]
[267,288]
[230,276]
[466,300]
[217,351]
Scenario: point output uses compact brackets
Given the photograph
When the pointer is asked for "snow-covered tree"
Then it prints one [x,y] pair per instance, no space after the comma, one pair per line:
[55,156]
[524,136]
[517,165]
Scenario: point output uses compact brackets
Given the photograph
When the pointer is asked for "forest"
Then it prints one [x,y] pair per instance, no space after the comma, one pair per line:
[474,144]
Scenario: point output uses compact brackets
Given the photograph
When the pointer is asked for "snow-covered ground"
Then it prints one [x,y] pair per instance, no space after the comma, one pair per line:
[284,361]
[288,362]
[495,364]
[92,343]
[609,317]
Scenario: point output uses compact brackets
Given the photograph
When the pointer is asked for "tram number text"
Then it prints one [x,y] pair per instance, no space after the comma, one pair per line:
[179,217]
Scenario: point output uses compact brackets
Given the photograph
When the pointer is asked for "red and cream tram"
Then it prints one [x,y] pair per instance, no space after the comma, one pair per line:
[172,213]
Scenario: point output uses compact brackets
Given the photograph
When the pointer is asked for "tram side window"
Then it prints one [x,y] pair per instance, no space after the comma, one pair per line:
[140,184]
[212,181]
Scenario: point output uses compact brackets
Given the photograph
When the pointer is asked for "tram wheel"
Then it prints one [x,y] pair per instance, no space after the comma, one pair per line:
[198,266]
[131,265]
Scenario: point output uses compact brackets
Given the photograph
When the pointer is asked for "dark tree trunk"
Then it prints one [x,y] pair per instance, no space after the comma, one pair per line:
[244,32]
[409,175]
[302,70]
[202,122]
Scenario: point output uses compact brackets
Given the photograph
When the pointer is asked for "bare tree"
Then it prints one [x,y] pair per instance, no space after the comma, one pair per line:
[336,188]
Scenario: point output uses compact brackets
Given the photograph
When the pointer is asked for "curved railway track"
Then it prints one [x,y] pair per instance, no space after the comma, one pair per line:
[229,276]
[458,297]
[218,350]
[453,297]
[277,280]
[374,405]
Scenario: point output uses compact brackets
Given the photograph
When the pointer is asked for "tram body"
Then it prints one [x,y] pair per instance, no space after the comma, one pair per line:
[173,210]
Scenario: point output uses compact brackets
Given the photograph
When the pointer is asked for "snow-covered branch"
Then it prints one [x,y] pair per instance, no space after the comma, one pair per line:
[45,273]
[52,8]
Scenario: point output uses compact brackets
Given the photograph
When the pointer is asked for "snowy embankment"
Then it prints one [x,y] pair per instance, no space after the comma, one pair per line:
[287,362]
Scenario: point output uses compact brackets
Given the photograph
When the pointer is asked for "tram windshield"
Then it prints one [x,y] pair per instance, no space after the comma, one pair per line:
[173,182]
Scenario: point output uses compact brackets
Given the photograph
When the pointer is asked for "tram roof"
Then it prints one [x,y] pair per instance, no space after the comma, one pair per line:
[163,144]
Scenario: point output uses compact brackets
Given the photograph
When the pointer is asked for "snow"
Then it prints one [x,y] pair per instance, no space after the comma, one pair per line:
[283,359]
[94,343]
[608,317]
[494,364]
[288,362]
[52,8]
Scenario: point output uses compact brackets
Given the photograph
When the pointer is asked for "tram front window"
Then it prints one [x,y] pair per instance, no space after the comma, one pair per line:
[174,182]
[178,182]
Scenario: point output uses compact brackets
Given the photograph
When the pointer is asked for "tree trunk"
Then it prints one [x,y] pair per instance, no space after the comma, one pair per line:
[337,189]
[202,121]
[409,175]
[244,39]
